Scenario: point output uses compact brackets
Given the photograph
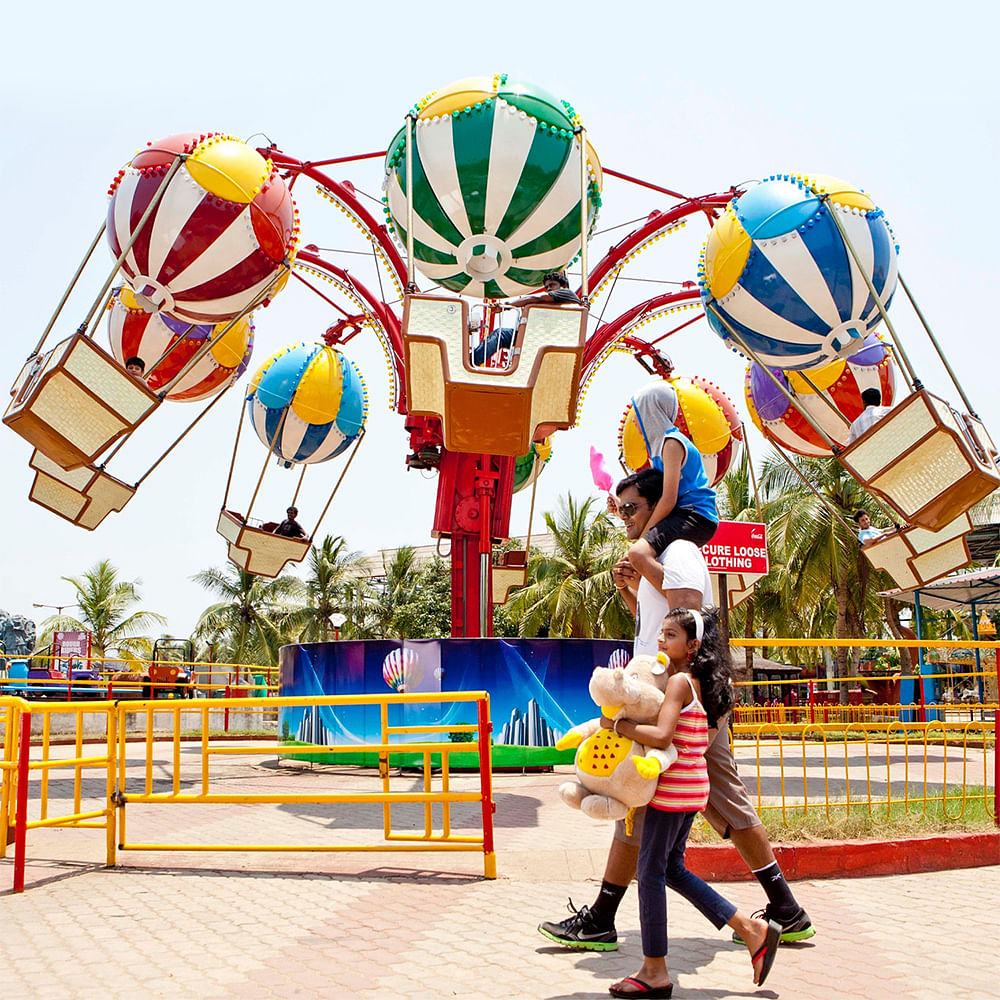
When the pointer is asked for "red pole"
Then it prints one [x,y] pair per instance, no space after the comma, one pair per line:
[812,702]
[21,807]
[225,724]
[486,773]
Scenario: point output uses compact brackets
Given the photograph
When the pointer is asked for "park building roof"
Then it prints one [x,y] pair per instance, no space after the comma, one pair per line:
[375,564]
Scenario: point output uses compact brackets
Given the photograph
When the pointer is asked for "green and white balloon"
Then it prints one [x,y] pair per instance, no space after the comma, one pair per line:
[496,186]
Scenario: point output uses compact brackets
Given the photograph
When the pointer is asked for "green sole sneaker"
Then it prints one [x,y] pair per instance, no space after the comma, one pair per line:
[798,928]
[581,942]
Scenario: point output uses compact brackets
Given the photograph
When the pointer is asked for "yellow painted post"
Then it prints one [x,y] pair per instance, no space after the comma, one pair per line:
[6,777]
[149,748]
[177,749]
[122,723]
[44,793]
[204,750]
[78,770]
[383,768]
[111,745]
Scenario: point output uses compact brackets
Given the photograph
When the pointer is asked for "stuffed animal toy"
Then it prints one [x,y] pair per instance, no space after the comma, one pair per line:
[615,774]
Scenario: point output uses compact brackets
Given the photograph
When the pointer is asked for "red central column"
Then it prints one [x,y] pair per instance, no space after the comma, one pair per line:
[473,510]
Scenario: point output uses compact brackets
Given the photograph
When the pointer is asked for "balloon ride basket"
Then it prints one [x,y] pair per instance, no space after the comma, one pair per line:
[928,462]
[83,496]
[256,550]
[914,556]
[509,573]
[75,401]
[495,411]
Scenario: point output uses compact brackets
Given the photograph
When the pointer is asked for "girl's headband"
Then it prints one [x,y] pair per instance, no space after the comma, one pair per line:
[699,625]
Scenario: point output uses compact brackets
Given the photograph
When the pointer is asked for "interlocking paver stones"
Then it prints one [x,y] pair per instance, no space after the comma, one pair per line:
[423,927]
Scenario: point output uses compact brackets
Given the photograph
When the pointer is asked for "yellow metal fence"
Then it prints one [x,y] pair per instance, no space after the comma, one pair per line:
[177,769]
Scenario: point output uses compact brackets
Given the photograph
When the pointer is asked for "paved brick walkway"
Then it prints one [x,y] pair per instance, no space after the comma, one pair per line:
[426,926]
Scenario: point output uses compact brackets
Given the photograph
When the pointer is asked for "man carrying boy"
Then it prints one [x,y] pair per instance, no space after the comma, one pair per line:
[678,578]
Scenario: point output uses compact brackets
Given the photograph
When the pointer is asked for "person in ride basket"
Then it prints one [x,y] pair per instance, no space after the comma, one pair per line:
[686,505]
[873,412]
[698,692]
[680,579]
[866,533]
[290,528]
[557,292]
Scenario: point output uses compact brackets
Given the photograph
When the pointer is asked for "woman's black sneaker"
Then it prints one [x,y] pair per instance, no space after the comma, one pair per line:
[580,931]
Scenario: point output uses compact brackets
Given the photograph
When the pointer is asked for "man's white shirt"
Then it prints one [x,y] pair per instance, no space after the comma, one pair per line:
[684,568]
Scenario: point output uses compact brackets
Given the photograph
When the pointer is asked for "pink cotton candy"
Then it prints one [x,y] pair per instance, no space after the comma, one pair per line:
[599,471]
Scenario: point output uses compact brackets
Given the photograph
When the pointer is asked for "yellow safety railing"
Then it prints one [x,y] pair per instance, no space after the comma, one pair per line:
[810,767]
[204,792]
[117,679]
[24,755]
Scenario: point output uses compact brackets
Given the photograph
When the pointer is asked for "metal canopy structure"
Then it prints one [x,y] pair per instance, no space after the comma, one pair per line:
[977,590]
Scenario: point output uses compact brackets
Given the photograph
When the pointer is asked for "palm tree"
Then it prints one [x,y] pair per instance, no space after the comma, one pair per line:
[106,612]
[334,580]
[735,503]
[570,592]
[825,582]
[249,621]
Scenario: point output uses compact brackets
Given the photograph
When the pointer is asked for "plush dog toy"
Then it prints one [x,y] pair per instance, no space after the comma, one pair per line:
[615,774]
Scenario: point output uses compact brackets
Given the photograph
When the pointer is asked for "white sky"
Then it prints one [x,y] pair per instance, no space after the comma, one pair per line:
[692,96]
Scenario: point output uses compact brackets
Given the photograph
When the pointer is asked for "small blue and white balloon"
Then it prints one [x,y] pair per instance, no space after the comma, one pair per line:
[307,403]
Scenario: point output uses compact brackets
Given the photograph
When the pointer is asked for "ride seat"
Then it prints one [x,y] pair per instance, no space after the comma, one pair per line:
[258,551]
[925,460]
[914,556]
[83,497]
[509,573]
[75,401]
[492,411]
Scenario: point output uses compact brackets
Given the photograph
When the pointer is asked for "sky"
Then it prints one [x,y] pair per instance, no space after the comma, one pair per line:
[690,96]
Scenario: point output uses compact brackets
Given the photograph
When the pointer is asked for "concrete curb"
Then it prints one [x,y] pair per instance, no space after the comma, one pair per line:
[853,858]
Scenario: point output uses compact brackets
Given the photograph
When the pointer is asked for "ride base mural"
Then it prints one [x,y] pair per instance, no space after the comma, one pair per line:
[537,687]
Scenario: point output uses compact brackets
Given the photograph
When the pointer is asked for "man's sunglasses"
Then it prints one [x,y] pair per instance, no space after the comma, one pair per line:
[629,508]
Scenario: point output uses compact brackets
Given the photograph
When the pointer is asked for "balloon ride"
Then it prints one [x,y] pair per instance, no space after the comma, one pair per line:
[830,396]
[307,404]
[496,190]
[489,187]
[705,416]
[166,345]
[204,227]
[778,280]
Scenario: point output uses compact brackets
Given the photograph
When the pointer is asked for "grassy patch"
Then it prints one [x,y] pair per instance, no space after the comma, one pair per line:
[880,822]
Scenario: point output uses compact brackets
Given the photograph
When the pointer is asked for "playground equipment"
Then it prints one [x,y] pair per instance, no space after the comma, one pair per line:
[705,414]
[488,187]
[799,272]
[307,404]
[203,230]
[830,395]
[165,345]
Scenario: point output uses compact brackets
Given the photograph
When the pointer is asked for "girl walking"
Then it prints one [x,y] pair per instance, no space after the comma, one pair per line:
[698,693]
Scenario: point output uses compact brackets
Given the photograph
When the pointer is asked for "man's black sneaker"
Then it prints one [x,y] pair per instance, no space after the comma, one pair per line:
[798,927]
[579,931]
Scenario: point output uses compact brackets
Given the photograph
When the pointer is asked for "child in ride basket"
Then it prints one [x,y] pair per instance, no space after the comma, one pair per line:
[686,508]
[698,692]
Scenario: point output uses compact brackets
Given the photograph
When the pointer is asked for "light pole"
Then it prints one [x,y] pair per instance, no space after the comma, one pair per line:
[58,608]
[336,620]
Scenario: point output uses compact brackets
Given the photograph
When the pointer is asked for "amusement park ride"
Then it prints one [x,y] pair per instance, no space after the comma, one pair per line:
[488,186]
